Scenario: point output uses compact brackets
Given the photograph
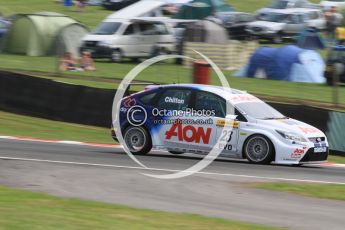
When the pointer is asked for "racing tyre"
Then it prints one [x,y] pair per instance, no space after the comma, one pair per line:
[137,139]
[157,51]
[176,152]
[162,51]
[116,55]
[259,149]
[135,60]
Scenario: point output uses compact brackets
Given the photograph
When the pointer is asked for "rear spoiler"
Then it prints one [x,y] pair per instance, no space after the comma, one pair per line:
[128,86]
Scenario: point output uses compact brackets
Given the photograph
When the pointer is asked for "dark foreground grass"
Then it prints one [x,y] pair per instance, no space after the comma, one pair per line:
[326,191]
[26,210]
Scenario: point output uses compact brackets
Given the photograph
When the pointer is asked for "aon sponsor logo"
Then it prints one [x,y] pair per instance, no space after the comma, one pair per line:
[189,133]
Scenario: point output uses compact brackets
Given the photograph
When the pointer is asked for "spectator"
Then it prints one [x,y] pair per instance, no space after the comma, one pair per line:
[340,35]
[86,62]
[333,19]
[81,5]
[68,62]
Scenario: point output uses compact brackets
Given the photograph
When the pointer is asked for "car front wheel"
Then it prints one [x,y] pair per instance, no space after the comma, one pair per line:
[259,149]
[116,55]
[137,140]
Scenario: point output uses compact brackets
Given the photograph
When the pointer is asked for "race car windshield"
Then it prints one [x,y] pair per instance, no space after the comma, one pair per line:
[273,17]
[259,110]
[107,28]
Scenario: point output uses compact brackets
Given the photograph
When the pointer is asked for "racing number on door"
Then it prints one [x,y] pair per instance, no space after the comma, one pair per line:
[226,136]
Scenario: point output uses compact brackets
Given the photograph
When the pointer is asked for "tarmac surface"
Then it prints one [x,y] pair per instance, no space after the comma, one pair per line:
[221,190]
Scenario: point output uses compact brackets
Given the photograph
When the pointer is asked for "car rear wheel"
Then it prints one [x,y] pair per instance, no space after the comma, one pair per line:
[157,51]
[259,149]
[137,140]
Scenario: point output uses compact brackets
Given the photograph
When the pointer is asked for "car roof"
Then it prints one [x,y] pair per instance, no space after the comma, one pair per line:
[218,90]
[146,19]
[292,10]
[116,20]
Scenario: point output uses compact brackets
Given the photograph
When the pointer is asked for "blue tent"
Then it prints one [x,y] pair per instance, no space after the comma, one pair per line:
[289,63]
[310,39]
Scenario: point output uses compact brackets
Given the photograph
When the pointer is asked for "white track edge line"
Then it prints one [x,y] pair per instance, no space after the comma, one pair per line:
[173,170]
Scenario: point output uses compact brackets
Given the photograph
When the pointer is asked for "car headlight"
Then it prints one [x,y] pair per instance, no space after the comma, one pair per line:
[105,43]
[291,136]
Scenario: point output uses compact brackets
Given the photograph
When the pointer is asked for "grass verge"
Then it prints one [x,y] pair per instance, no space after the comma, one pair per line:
[169,73]
[336,159]
[91,17]
[18,125]
[326,191]
[26,210]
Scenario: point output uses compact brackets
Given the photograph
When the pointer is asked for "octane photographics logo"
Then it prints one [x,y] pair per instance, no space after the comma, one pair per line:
[137,116]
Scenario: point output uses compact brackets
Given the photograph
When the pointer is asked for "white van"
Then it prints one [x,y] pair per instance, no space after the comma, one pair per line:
[132,38]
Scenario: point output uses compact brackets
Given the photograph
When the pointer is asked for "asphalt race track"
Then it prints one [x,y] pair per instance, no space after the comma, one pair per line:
[221,190]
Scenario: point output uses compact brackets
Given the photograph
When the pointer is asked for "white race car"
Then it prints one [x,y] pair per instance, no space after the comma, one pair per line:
[189,118]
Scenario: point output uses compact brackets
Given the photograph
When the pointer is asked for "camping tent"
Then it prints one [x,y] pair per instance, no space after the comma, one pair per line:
[205,31]
[199,9]
[289,63]
[44,33]
[310,39]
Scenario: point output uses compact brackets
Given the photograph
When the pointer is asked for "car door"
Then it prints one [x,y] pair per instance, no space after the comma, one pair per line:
[216,106]
[169,103]
[230,25]
[162,36]
[147,38]
[316,20]
[131,39]
[295,24]
[241,28]
[180,128]
[228,137]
